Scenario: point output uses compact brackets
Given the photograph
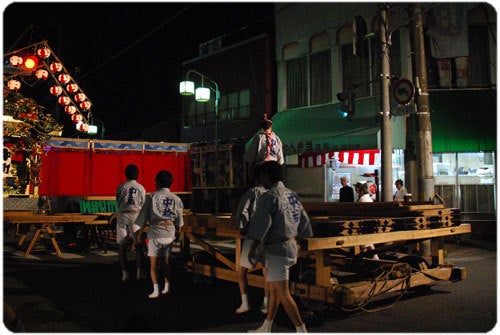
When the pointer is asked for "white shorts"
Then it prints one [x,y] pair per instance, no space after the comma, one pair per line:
[160,247]
[278,267]
[245,249]
[125,227]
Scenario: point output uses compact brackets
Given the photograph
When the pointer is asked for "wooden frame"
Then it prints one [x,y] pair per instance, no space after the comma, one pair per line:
[199,229]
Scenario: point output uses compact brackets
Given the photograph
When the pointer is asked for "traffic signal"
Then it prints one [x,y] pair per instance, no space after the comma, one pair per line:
[346,104]
[30,62]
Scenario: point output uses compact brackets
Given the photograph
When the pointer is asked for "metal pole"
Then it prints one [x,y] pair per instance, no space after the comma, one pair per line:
[424,135]
[385,108]
[216,201]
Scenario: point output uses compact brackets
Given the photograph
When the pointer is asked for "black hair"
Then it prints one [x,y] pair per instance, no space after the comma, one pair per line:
[399,181]
[273,170]
[164,179]
[131,172]
[266,124]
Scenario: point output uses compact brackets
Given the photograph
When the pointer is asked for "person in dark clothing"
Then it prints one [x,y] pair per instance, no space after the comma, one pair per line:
[346,192]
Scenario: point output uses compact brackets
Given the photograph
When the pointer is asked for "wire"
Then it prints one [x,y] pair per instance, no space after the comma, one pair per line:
[137,41]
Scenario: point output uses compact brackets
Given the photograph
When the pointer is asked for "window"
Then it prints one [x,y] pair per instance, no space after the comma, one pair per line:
[244,105]
[235,106]
[232,106]
[320,77]
[296,80]
[362,72]
[308,78]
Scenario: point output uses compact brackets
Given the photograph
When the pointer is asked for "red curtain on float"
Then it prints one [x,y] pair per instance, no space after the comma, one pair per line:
[65,173]
[98,173]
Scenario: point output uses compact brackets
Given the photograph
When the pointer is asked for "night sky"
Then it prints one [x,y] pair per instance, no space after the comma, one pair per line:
[129,55]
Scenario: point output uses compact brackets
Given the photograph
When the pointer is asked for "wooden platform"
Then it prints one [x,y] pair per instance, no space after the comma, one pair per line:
[339,230]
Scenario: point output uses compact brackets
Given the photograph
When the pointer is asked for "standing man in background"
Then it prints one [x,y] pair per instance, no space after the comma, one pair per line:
[130,197]
[401,191]
[265,146]
[346,192]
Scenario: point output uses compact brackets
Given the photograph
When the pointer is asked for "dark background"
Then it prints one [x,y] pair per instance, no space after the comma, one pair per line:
[127,57]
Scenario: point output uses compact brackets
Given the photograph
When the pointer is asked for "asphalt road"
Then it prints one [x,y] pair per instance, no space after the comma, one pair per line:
[83,293]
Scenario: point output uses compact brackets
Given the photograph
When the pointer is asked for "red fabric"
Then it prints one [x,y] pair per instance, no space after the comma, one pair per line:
[358,157]
[65,173]
[98,173]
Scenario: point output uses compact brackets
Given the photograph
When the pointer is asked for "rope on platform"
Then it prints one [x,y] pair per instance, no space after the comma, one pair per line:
[384,277]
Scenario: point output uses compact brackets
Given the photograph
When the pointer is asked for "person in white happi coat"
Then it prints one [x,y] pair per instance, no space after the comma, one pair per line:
[244,216]
[130,197]
[163,209]
[282,219]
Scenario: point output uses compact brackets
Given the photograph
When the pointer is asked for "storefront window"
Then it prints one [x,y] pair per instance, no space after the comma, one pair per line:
[466,180]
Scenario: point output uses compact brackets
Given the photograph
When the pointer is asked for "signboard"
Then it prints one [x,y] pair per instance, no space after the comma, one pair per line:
[403,91]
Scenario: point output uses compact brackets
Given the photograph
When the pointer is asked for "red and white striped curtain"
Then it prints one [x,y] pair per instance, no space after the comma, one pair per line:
[355,157]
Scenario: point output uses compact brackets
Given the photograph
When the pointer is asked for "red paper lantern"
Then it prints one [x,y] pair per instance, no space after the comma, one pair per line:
[80,97]
[42,74]
[83,127]
[43,52]
[15,60]
[64,100]
[85,105]
[70,110]
[56,67]
[64,78]
[72,88]
[56,90]
[77,117]
[14,85]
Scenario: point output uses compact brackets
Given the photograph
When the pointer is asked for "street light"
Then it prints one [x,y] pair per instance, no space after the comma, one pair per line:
[202,94]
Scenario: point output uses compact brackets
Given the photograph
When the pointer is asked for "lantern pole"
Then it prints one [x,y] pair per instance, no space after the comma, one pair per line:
[215,88]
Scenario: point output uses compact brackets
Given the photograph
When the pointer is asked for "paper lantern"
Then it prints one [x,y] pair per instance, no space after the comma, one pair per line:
[56,67]
[83,127]
[70,110]
[43,52]
[72,88]
[14,85]
[85,105]
[77,117]
[16,60]
[56,90]
[80,97]
[64,100]
[42,74]
[64,78]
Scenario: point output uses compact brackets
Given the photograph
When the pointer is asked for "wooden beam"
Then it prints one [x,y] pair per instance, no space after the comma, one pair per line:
[320,243]
[212,251]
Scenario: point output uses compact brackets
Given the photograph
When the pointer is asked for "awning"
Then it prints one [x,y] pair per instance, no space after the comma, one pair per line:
[322,129]
[357,157]
[463,121]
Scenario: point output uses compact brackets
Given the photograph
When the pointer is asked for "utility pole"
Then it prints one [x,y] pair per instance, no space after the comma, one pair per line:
[424,135]
[425,176]
[385,107]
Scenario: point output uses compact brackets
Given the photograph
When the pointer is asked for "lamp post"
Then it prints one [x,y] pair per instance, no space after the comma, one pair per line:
[202,94]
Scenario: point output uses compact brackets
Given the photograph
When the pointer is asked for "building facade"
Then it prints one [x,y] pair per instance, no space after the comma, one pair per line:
[323,49]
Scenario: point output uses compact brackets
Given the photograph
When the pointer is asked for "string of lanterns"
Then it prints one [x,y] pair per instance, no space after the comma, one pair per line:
[43,62]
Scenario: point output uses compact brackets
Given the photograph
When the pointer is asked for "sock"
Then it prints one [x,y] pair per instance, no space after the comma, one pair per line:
[266,326]
[124,275]
[156,291]
[165,289]
[301,328]
[244,304]
[263,307]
